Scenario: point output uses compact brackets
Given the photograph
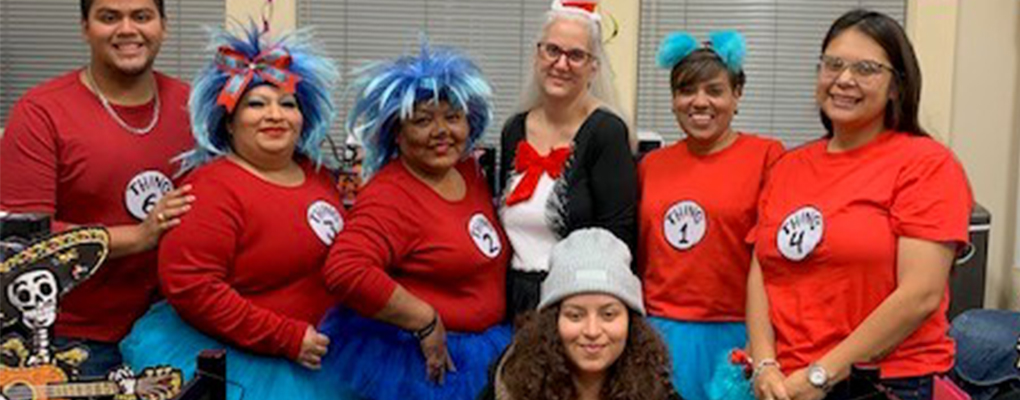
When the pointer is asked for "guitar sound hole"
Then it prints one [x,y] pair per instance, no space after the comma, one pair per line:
[19,391]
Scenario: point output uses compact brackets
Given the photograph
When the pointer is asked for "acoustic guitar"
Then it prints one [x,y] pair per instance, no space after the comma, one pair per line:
[49,382]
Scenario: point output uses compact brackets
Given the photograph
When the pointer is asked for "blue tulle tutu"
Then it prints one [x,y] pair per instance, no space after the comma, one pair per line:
[382,362]
[160,337]
[697,350]
[729,381]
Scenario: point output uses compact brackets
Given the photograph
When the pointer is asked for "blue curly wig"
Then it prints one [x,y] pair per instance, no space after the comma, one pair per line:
[387,92]
[318,76]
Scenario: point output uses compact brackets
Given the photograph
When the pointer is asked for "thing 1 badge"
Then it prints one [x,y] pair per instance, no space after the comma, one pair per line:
[684,224]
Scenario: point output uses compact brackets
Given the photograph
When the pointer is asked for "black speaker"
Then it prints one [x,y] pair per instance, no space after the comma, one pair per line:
[210,381]
[967,279]
[17,231]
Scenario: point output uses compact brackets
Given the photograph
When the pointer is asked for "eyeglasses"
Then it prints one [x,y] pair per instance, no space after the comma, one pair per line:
[864,70]
[575,57]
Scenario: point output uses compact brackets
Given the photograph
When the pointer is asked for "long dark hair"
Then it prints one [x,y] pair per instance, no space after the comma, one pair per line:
[537,367]
[901,112]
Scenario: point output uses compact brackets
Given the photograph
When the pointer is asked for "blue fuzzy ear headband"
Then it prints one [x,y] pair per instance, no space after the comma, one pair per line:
[386,92]
[728,45]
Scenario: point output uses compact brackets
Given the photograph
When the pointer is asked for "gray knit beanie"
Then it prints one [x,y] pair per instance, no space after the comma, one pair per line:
[591,260]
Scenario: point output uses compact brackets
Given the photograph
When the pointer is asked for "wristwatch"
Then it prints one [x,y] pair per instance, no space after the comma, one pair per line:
[818,377]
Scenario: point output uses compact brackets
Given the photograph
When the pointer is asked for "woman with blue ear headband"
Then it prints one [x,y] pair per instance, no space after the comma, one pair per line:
[698,201]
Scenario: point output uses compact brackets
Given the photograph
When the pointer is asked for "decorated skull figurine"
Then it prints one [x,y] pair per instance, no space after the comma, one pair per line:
[35,295]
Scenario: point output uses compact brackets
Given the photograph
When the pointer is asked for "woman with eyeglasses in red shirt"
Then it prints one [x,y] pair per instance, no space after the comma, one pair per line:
[857,231]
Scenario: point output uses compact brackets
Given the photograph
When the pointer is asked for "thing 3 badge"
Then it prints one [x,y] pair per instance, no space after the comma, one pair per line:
[800,233]
[484,235]
[144,191]
[325,221]
[684,224]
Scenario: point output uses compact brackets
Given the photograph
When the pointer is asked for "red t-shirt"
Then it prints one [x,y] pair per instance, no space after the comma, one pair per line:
[450,254]
[63,154]
[244,265]
[694,214]
[840,215]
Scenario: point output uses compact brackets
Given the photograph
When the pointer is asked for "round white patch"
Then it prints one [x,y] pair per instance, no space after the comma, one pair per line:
[144,191]
[484,235]
[325,221]
[800,233]
[684,224]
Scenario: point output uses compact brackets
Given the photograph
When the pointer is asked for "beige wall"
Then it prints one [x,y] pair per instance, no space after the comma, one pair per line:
[984,125]
[970,101]
[623,50]
[283,12]
[932,28]
[969,54]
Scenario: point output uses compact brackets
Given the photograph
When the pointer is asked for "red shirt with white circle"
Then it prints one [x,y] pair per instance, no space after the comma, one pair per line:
[694,214]
[827,243]
[452,254]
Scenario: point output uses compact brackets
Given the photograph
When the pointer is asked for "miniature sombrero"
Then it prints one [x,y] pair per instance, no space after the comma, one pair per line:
[70,256]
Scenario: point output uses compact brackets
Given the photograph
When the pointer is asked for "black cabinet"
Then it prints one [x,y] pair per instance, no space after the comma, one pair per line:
[967,280]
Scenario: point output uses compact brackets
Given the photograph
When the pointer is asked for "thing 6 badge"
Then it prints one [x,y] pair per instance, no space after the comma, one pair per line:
[484,235]
[144,191]
[684,224]
[800,233]
[325,221]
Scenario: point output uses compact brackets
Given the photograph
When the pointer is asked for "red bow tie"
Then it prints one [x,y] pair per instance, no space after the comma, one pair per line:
[529,162]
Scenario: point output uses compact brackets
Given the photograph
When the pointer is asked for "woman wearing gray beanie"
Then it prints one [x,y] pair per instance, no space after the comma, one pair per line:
[588,339]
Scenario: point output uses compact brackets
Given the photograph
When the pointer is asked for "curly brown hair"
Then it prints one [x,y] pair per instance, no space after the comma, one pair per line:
[538,368]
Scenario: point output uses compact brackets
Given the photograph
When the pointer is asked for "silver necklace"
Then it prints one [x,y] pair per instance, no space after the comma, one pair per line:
[113,113]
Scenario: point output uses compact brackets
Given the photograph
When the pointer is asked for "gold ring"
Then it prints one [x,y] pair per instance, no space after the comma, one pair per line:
[161,217]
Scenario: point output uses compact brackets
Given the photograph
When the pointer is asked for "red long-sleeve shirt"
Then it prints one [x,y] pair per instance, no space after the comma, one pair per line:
[244,264]
[451,254]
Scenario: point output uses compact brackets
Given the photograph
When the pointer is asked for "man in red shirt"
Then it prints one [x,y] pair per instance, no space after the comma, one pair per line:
[93,147]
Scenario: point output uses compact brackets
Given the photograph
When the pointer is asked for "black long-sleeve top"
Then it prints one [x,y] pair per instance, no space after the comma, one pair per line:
[599,185]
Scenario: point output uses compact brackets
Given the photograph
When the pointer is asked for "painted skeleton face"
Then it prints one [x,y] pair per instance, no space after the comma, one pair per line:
[35,295]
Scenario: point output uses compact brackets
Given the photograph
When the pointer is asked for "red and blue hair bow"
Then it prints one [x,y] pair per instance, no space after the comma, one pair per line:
[272,65]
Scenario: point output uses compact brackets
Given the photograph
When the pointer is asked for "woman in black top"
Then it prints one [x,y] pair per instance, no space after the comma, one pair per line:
[566,160]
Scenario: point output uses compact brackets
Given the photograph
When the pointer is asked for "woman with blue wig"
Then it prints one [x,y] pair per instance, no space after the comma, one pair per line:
[420,266]
[242,272]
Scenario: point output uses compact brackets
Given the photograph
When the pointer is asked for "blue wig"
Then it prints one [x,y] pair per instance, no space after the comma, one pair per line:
[387,92]
[317,75]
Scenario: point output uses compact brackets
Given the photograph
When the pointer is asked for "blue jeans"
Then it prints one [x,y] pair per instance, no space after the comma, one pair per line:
[919,388]
[103,356]
[986,352]
[915,388]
